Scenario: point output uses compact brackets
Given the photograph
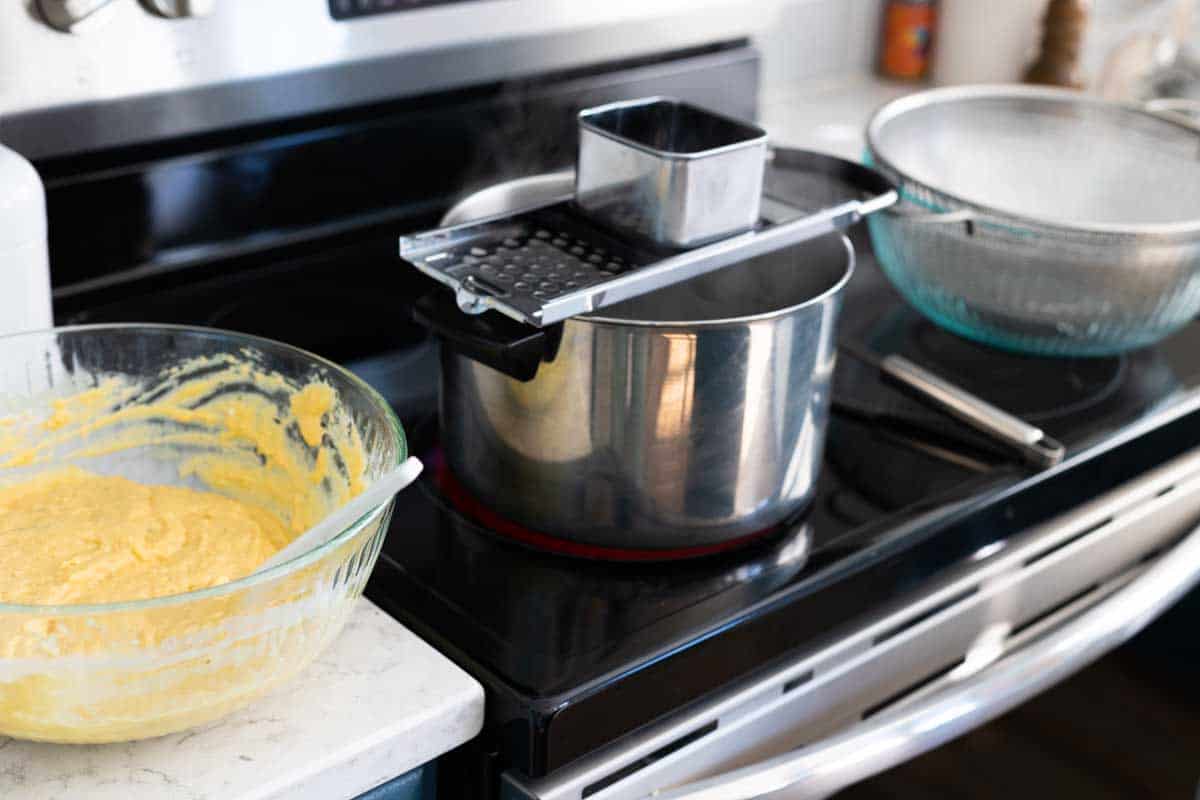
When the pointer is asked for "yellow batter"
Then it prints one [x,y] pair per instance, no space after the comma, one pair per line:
[74,537]
[94,508]
[68,536]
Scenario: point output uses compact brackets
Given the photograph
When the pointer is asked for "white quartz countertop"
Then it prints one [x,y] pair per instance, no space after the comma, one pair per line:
[378,703]
[830,114]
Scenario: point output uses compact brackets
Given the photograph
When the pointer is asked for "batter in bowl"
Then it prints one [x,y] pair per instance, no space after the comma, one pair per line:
[68,535]
[71,536]
[119,490]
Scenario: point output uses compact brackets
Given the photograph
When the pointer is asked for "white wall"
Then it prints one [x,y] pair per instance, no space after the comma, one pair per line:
[806,39]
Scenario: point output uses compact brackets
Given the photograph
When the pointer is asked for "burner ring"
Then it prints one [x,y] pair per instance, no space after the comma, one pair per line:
[1065,386]
[493,523]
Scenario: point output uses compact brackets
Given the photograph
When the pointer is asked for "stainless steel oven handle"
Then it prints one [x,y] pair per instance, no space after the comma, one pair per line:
[899,734]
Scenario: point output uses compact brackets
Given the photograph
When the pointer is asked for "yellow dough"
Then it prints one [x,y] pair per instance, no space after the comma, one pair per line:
[124,490]
[74,537]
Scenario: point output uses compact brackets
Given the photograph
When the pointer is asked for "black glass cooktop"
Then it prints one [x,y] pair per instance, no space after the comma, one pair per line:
[575,653]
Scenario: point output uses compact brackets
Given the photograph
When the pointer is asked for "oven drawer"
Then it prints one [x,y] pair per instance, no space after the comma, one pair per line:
[1003,628]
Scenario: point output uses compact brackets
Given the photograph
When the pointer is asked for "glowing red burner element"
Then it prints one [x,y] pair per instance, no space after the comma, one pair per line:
[465,502]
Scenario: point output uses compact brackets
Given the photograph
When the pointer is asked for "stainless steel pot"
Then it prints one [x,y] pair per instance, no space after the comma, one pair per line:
[683,418]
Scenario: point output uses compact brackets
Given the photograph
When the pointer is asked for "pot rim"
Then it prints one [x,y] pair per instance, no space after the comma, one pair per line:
[549,185]
[725,322]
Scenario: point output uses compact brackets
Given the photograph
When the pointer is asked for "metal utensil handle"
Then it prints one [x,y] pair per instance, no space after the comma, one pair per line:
[1031,441]
[893,737]
[701,261]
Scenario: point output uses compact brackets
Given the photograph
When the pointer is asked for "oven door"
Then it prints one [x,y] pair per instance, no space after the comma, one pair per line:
[1006,627]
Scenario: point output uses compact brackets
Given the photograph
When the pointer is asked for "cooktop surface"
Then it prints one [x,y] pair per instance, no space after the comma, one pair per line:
[575,652]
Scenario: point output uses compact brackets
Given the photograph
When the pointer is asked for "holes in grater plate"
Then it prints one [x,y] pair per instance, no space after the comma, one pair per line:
[541,246]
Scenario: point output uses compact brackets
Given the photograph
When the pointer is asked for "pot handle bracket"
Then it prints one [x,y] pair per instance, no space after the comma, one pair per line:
[490,338]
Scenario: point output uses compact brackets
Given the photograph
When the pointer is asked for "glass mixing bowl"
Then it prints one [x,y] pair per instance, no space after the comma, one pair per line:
[205,409]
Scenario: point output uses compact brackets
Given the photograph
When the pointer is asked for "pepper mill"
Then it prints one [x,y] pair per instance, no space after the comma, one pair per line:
[1062,41]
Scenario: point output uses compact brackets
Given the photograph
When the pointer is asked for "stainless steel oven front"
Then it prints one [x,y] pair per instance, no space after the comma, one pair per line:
[1003,627]
[82,75]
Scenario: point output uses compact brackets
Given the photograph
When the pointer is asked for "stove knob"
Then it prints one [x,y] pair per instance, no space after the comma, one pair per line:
[175,9]
[73,16]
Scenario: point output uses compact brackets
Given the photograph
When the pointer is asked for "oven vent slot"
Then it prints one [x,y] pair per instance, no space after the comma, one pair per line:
[1161,548]
[912,688]
[647,760]
[1151,555]
[797,682]
[1057,607]
[1065,542]
[912,622]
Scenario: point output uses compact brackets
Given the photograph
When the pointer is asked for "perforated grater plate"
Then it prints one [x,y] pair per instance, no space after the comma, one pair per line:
[523,264]
[550,263]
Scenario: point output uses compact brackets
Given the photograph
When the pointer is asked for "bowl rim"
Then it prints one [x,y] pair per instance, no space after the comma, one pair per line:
[917,102]
[254,578]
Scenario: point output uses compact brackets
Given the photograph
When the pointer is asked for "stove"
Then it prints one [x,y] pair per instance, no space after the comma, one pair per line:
[266,195]
[577,652]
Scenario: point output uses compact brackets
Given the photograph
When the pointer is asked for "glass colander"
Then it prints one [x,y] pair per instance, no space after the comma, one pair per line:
[1041,220]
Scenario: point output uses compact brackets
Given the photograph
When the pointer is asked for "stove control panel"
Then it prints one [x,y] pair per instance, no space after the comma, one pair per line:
[78,16]
[177,9]
[86,75]
[74,16]
[353,9]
